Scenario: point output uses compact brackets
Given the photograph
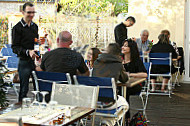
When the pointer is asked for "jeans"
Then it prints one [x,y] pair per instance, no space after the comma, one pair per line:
[25,68]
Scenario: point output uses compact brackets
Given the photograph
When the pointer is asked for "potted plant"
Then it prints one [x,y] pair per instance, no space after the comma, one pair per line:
[3,98]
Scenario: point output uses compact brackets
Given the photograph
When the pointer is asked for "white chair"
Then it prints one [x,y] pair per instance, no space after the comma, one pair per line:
[75,95]
[107,91]
[11,121]
[142,56]
[10,70]
[145,89]
[44,80]
[161,59]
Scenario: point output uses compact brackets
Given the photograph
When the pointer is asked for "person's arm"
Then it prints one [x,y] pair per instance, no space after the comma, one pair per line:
[38,63]
[141,70]
[16,43]
[138,75]
[174,54]
[38,68]
[41,64]
[83,69]
[146,52]
[123,75]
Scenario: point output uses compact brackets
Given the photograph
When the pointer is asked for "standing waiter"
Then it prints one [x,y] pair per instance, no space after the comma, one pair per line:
[23,37]
[120,30]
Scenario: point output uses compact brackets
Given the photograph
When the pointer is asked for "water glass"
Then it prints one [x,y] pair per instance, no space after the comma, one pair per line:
[52,104]
[26,102]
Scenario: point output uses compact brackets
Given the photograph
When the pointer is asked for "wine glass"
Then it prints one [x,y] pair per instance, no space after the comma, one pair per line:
[44,104]
[35,102]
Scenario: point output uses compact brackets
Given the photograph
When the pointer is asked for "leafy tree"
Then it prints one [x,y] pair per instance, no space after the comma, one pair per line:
[85,7]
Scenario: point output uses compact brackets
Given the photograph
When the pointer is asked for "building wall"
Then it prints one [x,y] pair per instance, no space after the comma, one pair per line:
[12,11]
[13,8]
[156,15]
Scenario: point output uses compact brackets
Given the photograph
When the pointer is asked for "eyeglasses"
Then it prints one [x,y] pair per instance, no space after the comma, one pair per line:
[30,12]
[131,23]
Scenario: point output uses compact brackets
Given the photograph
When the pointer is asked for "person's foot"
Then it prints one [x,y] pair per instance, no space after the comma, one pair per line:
[164,91]
[152,90]
[18,103]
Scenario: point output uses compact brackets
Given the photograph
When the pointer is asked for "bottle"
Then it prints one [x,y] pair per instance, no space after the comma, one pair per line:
[46,43]
[37,47]
[68,112]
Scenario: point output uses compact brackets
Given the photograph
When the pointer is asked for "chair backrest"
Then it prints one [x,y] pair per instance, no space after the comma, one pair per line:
[12,62]
[75,95]
[8,45]
[160,58]
[7,52]
[11,121]
[44,80]
[107,86]
[147,66]
[142,56]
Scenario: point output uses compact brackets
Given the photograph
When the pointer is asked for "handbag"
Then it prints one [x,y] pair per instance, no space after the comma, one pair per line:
[138,120]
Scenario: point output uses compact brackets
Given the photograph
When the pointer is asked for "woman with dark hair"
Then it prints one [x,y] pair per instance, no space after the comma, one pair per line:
[131,59]
[162,46]
[92,56]
[134,66]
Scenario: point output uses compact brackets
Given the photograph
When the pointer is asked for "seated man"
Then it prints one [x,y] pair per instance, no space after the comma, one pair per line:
[63,59]
[110,65]
[143,42]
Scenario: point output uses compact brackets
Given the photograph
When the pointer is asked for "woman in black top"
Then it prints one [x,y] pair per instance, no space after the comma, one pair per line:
[134,65]
[162,46]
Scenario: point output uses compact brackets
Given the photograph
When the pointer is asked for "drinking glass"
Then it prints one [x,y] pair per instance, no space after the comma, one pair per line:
[52,104]
[44,104]
[35,102]
[26,102]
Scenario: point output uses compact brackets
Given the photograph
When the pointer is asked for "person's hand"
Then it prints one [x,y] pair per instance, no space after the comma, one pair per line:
[33,54]
[134,39]
[38,61]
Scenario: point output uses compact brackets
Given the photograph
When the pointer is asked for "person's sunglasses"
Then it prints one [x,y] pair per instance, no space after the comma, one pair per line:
[30,12]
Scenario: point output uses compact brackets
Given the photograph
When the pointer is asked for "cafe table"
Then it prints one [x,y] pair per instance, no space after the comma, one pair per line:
[46,116]
[3,59]
[130,83]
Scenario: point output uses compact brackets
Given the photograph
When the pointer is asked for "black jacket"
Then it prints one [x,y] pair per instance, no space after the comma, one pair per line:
[120,32]
[23,38]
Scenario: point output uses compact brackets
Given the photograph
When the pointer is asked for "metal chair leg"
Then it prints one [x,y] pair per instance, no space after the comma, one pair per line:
[16,90]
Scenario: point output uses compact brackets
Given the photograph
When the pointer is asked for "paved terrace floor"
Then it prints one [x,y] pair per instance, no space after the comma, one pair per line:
[161,110]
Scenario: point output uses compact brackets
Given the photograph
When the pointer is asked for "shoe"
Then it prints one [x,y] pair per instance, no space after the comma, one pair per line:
[103,124]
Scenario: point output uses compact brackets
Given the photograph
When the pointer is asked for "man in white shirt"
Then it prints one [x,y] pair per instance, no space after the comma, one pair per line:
[143,42]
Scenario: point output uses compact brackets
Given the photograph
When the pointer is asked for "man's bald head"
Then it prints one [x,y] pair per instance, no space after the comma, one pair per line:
[64,39]
[65,36]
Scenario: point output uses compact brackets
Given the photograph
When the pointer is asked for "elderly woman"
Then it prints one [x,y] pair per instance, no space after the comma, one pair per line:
[162,46]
